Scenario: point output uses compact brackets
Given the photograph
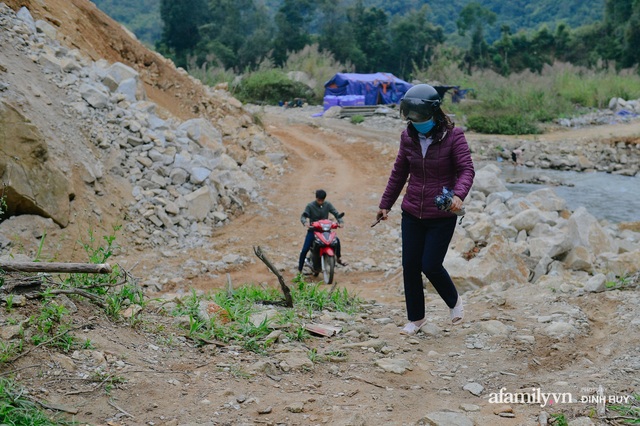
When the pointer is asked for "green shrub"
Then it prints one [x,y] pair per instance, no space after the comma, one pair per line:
[503,124]
[271,86]
[515,104]
[357,119]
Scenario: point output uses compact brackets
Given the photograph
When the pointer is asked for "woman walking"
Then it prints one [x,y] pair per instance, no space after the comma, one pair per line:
[433,155]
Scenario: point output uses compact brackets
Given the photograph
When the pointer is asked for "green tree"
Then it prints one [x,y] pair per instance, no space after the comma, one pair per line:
[621,33]
[562,41]
[292,33]
[370,29]
[622,19]
[337,35]
[631,40]
[587,44]
[180,34]
[473,17]
[414,40]
[503,49]
[518,57]
[238,34]
[542,49]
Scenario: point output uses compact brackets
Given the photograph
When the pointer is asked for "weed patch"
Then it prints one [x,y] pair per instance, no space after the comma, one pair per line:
[628,414]
[17,409]
[248,316]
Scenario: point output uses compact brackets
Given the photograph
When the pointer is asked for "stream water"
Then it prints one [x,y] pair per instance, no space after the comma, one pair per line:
[606,196]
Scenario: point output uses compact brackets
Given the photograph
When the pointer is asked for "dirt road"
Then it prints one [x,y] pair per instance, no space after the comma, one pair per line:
[352,164]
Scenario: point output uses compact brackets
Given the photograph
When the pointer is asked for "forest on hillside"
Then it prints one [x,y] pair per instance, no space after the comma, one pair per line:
[143,16]
[397,37]
[252,45]
[367,39]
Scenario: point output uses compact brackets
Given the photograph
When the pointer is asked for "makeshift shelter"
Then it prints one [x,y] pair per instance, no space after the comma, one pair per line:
[364,89]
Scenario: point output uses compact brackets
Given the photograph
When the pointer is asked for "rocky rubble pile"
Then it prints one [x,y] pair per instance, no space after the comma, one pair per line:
[508,240]
[621,157]
[535,237]
[185,177]
[619,111]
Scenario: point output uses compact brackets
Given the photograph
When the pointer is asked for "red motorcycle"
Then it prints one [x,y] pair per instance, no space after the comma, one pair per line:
[322,257]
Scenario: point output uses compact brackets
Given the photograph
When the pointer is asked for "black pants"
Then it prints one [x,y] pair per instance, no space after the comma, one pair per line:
[308,240]
[424,246]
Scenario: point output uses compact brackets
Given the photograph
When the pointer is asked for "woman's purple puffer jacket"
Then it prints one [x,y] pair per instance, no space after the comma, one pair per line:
[447,164]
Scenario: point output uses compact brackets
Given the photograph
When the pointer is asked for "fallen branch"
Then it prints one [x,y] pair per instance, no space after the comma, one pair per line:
[52,406]
[283,286]
[6,373]
[365,381]
[229,286]
[111,403]
[98,300]
[88,268]
[92,389]
[207,341]
[333,287]
[18,284]
[44,343]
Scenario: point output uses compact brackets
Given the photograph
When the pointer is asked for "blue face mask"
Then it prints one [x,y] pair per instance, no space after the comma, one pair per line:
[424,127]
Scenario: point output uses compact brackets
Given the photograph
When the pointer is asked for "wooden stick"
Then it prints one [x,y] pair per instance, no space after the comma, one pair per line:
[285,289]
[92,389]
[88,268]
[113,404]
[333,287]
[366,381]
[97,299]
[43,343]
[229,286]
[52,406]
[6,373]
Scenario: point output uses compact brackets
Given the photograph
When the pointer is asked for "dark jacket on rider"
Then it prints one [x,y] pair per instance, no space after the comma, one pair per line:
[447,163]
[315,211]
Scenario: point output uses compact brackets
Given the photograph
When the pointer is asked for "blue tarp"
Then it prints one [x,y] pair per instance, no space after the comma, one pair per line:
[377,88]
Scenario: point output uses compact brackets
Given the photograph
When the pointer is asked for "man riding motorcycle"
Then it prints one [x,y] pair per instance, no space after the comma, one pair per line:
[314,211]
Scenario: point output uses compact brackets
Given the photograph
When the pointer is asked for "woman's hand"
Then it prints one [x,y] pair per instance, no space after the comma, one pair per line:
[382,214]
[456,204]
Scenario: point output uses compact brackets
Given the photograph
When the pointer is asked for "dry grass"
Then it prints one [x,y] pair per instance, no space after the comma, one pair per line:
[318,65]
[632,226]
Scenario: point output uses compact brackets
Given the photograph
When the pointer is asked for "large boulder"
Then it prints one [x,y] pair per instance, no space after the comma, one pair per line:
[585,230]
[32,184]
[487,180]
[497,263]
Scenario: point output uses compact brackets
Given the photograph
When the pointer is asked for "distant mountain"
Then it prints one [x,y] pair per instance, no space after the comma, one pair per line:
[143,16]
